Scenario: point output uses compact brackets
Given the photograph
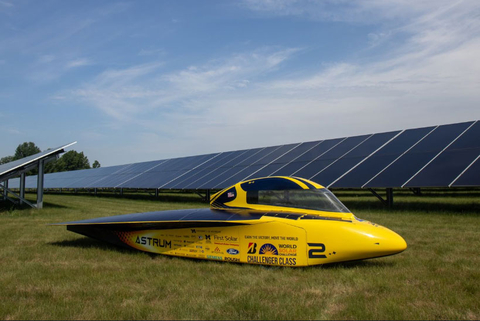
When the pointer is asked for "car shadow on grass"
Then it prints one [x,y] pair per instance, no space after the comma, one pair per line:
[89,243]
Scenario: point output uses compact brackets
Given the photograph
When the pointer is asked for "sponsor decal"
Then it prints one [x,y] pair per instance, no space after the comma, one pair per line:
[287,249]
[207,237]
[214,257]
[193,230]
[232,259]
[228,244]
[144,240]
[232,251]
[200,237]
[216,249]
[287,246]
[198,246]
[268,249]
[272,260]
[316,250]
[252,248]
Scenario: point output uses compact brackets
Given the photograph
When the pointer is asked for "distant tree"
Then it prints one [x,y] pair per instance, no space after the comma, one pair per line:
[6,159]
[71,161]
[26,149]
[96,164]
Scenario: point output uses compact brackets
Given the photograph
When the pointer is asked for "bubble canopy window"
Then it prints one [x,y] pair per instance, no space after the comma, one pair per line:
[314,199]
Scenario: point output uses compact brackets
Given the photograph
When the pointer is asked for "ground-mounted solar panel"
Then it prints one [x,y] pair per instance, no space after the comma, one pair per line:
[405,167]
[446,155]
[445,168]
[307,157]
[352,158]
[324,160]
[188,168]
[470,177]
[367,170]
[199,171]
[15,165]
[242,158]
[89,178]
[242,169]
[205,174]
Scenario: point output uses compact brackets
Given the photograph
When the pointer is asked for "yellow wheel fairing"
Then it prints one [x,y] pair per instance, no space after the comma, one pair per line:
[236,229]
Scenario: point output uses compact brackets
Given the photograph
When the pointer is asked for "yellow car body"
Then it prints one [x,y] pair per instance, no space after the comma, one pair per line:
[278,221]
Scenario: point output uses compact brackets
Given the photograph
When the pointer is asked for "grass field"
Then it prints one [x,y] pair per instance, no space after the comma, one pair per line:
[50,273]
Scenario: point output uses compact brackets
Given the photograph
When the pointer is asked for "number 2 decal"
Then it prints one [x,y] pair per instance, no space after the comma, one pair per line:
[318,248]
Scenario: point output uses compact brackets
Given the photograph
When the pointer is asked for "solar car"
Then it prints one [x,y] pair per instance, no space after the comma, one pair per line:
[278,221]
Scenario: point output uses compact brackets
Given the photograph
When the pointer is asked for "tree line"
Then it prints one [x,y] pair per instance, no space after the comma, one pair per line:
[69,161]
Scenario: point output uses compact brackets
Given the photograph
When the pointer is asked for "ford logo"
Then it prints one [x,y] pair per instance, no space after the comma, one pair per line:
[232,251]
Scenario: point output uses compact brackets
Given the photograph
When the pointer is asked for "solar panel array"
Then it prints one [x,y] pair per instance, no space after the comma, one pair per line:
[20,164]
[437,156]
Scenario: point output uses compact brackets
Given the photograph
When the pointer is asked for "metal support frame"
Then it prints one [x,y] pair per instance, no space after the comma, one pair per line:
[389,193]
[22,188]
[416,191]
[6,190]
[40,176]
[206,197]
[389,197]
[21,196]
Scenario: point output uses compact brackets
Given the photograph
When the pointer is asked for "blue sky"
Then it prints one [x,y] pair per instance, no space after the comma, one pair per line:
[134,81]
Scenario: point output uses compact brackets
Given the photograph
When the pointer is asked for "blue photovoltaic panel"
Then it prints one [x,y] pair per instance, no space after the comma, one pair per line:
[330,156]
[131,173]
[449,164]
[249,154]
[270,159]
[352,158]
[433,156]
[377,162]
[258,156]
[471,177]
[241,170]
[210,172]
[411,162]
[305,158]
[280,162]
[93,178]
[199,171]
[297,151]
[199,161]
[11,167]
[166,172]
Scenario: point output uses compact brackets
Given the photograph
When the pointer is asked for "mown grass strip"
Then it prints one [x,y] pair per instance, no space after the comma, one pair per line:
[50,273]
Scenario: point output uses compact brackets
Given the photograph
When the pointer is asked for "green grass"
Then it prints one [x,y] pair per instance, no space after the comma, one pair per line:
[50,273]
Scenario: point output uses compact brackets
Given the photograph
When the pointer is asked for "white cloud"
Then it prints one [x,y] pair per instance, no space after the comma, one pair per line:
[152,52]
[78,63]
[45,59]
[128,94]
[6,4]
[241,101]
